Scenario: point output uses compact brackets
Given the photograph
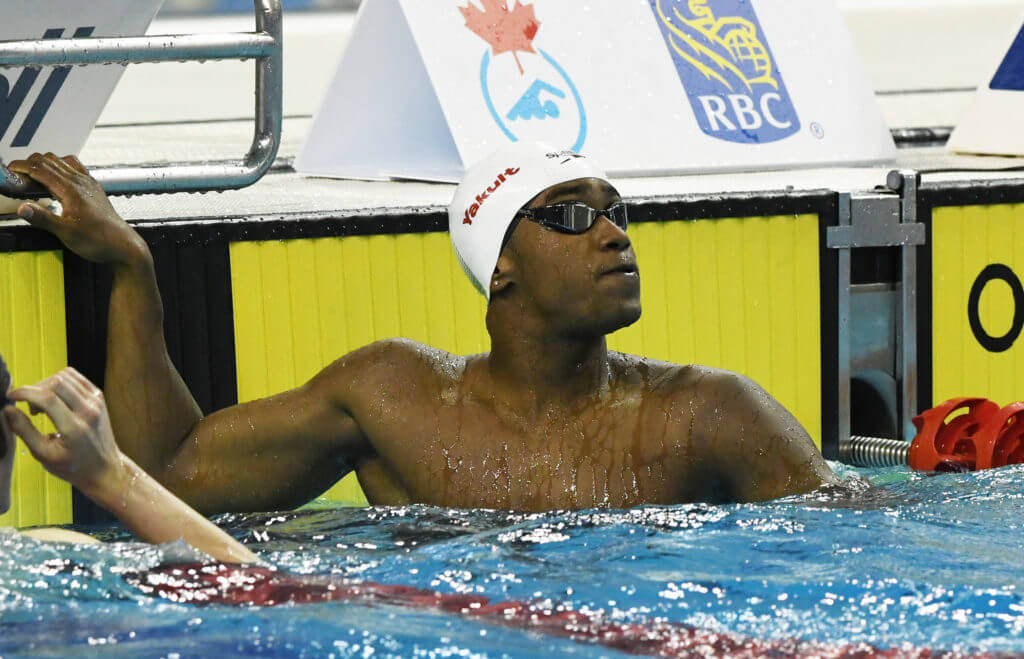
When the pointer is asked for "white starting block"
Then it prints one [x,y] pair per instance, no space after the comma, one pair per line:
[647,87]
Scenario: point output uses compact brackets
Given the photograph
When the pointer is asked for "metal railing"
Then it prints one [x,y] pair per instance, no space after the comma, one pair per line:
[209,7]
[264,45]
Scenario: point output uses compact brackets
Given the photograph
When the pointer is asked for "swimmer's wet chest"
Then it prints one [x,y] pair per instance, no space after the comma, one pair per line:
[470,454]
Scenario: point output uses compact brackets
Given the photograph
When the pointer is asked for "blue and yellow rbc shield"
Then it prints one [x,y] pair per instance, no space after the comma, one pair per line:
[727,69]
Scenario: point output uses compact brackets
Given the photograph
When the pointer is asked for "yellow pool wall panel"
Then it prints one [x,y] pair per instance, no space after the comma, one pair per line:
[741,294]
[33,341]
[966,240]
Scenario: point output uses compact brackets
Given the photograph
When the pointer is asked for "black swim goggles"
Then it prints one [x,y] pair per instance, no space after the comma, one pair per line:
[575,217]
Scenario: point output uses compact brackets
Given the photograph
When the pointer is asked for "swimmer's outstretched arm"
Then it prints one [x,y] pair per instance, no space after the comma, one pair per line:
[83,453]
[264,455]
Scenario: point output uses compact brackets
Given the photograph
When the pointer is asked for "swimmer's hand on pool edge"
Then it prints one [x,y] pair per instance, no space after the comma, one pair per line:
[150,405]
[88,224]
[83,452]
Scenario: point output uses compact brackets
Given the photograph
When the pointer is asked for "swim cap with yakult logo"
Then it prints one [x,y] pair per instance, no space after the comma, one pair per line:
[491,193]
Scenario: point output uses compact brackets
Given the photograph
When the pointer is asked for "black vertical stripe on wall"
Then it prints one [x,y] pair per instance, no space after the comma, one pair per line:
[195,285]
[86,291]
[925,366]
[828,264]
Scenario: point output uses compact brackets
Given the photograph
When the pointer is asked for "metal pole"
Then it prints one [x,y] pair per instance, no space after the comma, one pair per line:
[843,303]
[265,45]
[135,50]
[907,184]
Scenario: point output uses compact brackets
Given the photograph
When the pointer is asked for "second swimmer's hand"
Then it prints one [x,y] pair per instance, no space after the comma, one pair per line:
[89,226]
[82,451]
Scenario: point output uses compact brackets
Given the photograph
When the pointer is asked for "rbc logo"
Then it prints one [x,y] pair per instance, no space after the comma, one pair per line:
[727,69]
[529,95]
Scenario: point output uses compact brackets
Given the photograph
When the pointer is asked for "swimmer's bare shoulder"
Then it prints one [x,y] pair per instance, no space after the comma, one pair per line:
[398,392]
[740,443]
[387,379]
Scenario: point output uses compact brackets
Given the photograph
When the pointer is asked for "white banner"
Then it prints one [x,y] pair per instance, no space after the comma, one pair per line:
[992,125]
[55,108]
[427,87]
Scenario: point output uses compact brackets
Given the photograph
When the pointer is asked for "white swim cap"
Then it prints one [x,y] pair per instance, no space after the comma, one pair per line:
[491,193]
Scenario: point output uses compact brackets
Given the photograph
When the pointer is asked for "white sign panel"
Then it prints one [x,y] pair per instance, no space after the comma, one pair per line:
[427,87]
[55,108]
[992,125]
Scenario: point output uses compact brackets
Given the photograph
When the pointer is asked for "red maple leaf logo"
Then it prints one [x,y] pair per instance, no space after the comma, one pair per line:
[505,30]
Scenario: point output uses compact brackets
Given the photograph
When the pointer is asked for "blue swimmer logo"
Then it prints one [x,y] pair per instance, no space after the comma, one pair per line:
[533,106]
[534,98]
[727,69]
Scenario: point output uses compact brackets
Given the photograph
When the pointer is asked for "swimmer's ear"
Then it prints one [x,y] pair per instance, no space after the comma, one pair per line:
[503,276]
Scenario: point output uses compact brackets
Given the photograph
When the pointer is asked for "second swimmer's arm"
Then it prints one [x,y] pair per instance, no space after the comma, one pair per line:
[83,453]
[157,516]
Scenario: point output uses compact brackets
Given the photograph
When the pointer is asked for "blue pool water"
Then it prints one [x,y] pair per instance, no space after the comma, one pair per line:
[910,560]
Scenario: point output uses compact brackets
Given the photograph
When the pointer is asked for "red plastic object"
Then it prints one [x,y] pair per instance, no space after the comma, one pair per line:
[985,437]
[999,442]
[941,446]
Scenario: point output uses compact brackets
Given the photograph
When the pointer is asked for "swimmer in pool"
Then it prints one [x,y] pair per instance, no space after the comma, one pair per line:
[548,419]
[83,453]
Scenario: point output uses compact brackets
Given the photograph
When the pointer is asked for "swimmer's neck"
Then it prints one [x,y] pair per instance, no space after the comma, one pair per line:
[535,371]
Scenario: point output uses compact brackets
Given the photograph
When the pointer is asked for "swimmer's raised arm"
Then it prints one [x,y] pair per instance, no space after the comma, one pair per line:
[262,455]
[83,453]
[756,447]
